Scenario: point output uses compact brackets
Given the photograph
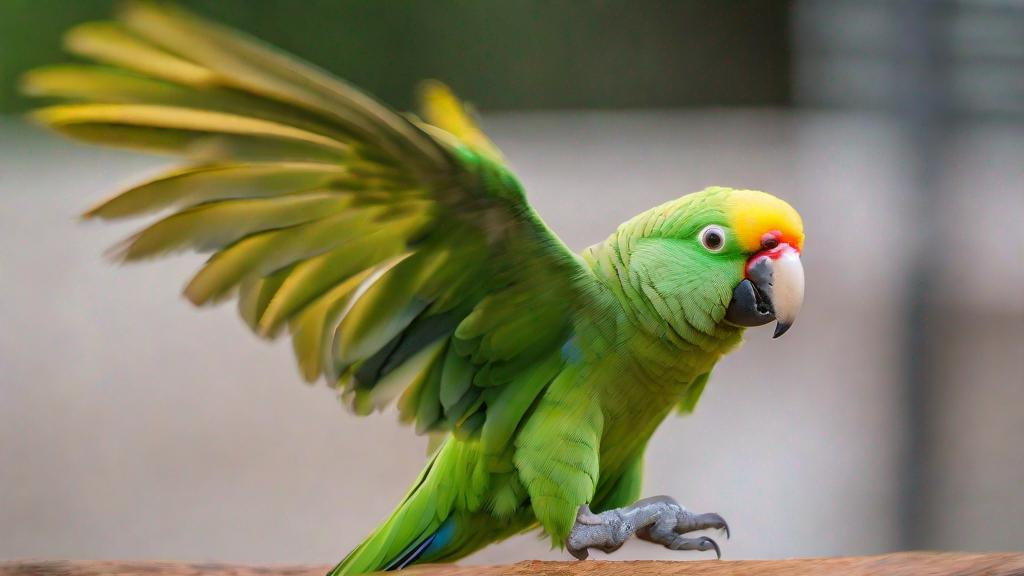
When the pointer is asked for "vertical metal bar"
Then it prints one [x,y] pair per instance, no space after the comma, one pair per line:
[922,103]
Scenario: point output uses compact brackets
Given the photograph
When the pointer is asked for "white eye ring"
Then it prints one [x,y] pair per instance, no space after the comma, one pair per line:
[712,238]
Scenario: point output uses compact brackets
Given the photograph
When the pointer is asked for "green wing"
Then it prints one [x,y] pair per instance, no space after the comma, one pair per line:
[402,257]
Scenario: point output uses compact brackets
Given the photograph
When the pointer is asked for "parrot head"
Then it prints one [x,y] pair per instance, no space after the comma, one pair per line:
[770,235]
[724,258]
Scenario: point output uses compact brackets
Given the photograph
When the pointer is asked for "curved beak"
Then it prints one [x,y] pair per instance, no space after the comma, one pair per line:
[772,290]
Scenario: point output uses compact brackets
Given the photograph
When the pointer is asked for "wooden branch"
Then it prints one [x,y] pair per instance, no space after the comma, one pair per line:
[930,563]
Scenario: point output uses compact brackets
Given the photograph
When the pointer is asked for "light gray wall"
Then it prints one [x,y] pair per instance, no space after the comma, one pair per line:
[132,426]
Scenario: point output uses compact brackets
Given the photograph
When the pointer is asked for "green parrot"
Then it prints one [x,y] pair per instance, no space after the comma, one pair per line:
[401,255]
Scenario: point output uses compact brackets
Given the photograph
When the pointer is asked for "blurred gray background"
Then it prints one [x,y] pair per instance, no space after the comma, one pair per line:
[890,417]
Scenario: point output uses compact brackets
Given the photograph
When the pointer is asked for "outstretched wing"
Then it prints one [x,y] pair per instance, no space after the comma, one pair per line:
[401,256]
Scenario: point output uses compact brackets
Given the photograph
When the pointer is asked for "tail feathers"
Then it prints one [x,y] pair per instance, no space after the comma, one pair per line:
[428,526]
[412,555]
[401,540]
[411,532]
[428,547]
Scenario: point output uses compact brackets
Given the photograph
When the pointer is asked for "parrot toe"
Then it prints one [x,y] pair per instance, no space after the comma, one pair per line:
[659,519]
[702,544]
[712,521]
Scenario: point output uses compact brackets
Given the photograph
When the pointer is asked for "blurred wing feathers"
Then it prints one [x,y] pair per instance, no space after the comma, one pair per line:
[401,256]
[441,108]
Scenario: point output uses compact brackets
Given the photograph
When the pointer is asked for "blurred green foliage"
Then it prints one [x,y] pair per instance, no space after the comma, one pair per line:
[501,55]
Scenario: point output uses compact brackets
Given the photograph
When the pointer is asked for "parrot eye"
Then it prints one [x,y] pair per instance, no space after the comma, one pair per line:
[713,238]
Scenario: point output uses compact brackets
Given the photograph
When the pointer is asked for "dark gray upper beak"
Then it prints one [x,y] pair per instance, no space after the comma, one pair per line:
[749,306]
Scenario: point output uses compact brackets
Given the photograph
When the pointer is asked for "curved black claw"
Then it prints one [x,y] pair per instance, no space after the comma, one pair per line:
[705,541]
[712,520]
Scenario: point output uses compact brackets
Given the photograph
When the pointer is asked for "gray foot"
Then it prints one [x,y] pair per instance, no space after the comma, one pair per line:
[659,519]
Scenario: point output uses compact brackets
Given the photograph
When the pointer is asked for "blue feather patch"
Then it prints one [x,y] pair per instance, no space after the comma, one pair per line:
[430,544]
[571,351]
